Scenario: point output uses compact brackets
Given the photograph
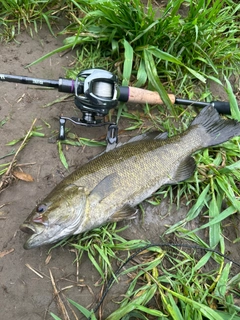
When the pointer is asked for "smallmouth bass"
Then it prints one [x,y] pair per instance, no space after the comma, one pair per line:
[107,188]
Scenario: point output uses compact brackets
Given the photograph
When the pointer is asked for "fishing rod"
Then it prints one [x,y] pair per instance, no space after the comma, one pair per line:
[97,91]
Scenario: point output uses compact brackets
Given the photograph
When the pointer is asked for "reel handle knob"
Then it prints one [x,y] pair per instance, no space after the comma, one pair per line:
[112,135]
[62,128]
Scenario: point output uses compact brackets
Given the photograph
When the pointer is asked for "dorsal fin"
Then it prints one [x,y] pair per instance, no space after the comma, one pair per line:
[153,135]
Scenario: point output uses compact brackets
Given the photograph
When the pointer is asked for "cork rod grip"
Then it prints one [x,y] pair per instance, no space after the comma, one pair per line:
[138,95]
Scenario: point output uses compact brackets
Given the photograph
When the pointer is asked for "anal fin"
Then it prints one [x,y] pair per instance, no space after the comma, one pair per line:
[125,213]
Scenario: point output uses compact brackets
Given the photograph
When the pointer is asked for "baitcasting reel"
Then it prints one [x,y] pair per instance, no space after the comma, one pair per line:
[98,94]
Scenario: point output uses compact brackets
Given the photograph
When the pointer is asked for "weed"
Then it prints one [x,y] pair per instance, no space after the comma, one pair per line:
[176,49]
[14,14]
[6,169]
[166,285]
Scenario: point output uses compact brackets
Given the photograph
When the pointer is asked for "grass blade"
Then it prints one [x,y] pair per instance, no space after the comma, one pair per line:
[83,310]
[61,155]
[222,216]
[54,316]
[128,62]
[235,112]
[155,82]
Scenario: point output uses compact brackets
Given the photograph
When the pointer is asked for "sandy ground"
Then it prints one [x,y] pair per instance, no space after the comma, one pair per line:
[26,290]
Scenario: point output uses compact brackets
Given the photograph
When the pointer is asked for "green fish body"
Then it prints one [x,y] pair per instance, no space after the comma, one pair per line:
[107,188]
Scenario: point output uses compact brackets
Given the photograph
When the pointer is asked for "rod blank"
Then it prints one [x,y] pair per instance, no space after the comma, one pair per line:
[29,80]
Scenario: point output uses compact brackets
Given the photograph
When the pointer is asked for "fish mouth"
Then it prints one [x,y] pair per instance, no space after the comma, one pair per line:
[27,228]
[38,236]
[29,244]
[31,230]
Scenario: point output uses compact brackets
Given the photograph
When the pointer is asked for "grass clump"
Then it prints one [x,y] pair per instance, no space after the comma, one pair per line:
[17,13]
[160,48]
[174,48]
[166,285]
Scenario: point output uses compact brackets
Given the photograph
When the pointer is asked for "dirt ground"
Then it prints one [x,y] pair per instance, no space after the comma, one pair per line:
[26,290]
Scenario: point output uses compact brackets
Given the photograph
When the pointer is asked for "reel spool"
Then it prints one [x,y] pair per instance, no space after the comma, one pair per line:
[100,93]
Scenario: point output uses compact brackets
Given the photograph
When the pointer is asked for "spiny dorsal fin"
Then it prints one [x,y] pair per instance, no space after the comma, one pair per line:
[154,135]
[161,136]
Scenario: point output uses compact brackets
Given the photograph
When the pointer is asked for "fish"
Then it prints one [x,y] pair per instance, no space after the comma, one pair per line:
[110,186]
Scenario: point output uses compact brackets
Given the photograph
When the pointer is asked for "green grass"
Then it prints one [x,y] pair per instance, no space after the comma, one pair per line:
[167,52]
[35,132]
[175,49]
[14,14]
[166,285]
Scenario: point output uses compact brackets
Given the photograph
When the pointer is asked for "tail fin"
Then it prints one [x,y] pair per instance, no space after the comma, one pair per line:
[218,129]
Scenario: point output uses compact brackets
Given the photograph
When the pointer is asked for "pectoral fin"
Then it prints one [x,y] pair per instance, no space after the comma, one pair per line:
[105,187]
[125,213]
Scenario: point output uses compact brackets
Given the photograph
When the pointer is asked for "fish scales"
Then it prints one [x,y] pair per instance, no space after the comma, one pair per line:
[108,187]
[131,161]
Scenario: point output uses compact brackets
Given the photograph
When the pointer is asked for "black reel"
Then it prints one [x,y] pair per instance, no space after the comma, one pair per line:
[96,92]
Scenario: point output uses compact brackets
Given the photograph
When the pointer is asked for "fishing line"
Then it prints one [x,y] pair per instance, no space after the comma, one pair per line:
[117,272]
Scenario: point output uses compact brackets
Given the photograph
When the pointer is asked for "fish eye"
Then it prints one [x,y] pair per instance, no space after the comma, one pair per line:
[41,208]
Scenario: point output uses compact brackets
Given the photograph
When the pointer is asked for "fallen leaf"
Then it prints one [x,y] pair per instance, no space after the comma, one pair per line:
[4,253]
[23,176]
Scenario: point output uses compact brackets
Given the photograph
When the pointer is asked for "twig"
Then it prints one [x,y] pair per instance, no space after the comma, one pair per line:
[6,178]
[4,253]
[4,204]
[33,270]
[21,146]
[60,303]
[25,164]
[77,264]
[57,101]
